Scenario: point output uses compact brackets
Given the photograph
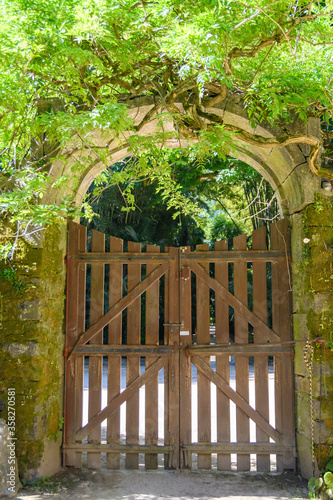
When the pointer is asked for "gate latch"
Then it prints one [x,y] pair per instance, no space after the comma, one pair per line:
[185,273]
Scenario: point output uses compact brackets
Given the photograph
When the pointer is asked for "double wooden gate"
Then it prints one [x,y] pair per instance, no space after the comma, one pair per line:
[183,357]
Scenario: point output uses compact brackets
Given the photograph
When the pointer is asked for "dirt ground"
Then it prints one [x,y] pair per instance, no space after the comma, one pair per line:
[165,485]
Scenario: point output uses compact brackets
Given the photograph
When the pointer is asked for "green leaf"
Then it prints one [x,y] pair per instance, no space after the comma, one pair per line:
[315,483]
[329,466]
[328,478]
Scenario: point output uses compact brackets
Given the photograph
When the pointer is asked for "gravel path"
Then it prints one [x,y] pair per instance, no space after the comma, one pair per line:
[165,485]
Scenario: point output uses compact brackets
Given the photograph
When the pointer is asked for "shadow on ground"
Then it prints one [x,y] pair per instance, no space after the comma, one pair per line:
[160,485]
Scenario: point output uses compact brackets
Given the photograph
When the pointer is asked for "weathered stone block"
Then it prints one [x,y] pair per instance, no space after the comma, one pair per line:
[30,348]
[321,274]
[300,326]
[303,412]
[320,214]
[321,432]
[299,363]
[304,456]
[29,310]
[321,302]
[313,126]
[302,385]
[9,481]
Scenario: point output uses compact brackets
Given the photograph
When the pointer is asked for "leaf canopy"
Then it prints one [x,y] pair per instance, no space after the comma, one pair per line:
[91,57]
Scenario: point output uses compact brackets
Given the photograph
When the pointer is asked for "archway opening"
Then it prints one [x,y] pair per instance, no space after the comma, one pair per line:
[195,200]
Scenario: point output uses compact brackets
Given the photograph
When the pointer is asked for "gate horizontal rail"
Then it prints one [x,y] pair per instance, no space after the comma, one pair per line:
[239,448]
[230,256]
[233,255]
[124,448]
[248,349]
[123,258]
[103,350]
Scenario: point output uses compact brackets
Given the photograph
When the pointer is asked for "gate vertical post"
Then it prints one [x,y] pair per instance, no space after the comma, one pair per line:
[173,370]
[282,319]
[69,456]
[203,338]
[185,379]
[152,338]
[79,360]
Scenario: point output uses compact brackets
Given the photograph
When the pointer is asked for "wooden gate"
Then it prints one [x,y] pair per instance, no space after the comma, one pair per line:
[183,357]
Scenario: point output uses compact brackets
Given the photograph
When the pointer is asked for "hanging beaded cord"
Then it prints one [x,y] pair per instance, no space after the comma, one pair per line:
[308,359]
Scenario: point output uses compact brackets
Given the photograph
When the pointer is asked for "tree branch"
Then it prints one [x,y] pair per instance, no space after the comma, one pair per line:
[274,142]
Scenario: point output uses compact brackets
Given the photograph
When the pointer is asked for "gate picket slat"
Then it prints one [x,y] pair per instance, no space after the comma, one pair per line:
[276,325]
[114,362]
[95,362]
[79,361]
[222,362]
[166,369]
[71,337]
[241,362]
[203,337]
[152,338]
[133,363]
[275,282]
[172,397]
[281,291]
[260,362]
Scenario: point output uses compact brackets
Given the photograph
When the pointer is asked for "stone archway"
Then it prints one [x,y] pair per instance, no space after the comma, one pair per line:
[285,168]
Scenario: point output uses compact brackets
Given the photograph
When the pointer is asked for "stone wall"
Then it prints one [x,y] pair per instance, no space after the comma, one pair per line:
[313,317]
[9,481]
[31,348]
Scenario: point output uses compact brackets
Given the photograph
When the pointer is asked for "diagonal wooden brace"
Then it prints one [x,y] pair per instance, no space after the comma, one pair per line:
[237,399]
[117,309]
[121,398]
[233,302]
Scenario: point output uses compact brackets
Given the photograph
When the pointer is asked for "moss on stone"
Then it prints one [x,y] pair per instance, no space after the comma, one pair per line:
[37,378]
[29,455]
[316,267]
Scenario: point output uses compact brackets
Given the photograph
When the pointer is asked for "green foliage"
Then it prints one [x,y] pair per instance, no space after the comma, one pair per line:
[69,69]
[223,228]
[10,275]
[322,487]
[58,431]
[156,208]
[142,211]
[42,484]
